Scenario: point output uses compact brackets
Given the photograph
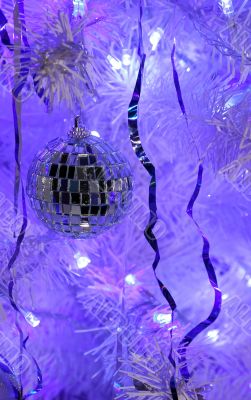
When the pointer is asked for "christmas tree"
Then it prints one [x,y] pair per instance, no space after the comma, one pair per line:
[131,279]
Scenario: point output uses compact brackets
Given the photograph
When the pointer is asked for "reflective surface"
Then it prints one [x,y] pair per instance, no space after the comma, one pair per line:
[79,187]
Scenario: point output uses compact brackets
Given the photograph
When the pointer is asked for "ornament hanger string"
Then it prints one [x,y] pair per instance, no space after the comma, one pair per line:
[147,164]
[191,335]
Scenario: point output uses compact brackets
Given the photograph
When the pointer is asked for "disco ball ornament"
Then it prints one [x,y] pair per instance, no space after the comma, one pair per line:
[79,186]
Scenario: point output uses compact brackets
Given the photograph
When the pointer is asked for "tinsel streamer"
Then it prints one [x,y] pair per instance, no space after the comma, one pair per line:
[12,260]
[25,54]
[147,164]
[21,62]
[39,373]
[177,84]
[3,20]
[3,32]
[16,107]
[190,336]
[6,368]
[13,303]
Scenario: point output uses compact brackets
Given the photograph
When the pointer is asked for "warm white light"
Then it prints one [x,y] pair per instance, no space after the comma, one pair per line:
[95,133]
[213,335]
[248,281]
[162,319]
[32,319]
[126,59]
[130,279]
[115,63]
[82,261]
[155,38]
[79,8]
[227,6]
[182,63]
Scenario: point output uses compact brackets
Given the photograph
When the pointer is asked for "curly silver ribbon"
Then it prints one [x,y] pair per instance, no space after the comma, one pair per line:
[147,164]
[191,335]
[16,107]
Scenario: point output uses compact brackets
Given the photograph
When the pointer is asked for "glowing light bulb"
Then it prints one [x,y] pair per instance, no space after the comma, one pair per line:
[213,335]
[82,261]
[182,63]
[115,63]
[225,296]
[126,59]
[155,38]
[130,279]
[162,319]
[79,8]
[32,319]
[227,6]
[95,133]
[248,277]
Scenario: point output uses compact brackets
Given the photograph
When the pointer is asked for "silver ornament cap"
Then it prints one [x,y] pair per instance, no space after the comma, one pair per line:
[78,132]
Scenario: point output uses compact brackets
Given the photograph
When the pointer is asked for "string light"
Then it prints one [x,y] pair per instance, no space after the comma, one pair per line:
[79,8]
[227,6]
[32,319]
[95,133]
[130,279]
[115,63]
[126,59]
[162,319]
[155,38]
[248,277]
[213,335]
[82,261]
